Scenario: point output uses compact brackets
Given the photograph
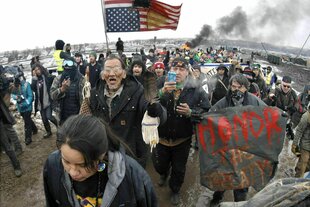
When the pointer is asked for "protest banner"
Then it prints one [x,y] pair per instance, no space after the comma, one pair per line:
[239,146]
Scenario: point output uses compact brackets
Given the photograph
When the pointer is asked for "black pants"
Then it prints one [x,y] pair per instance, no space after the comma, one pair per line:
[46,115]
[28,125]
[8,148]
[13,137]
[175,157]
[239,194]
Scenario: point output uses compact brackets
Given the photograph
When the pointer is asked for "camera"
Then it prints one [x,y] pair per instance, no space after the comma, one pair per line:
[9,75]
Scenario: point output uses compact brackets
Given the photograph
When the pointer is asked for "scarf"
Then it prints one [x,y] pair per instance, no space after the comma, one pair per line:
[46,101]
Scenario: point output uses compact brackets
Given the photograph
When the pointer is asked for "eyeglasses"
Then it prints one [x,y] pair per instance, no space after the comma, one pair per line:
[67,63]
[116,69]
[286,86]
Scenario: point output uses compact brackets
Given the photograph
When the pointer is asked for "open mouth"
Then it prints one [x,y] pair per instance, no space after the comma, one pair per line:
[112,80]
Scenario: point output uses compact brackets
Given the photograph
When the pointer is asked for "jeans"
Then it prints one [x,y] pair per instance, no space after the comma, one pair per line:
[28,125]
[5,143]
[46,115]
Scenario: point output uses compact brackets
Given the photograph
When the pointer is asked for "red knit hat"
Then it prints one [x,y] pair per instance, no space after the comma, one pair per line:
[159,65]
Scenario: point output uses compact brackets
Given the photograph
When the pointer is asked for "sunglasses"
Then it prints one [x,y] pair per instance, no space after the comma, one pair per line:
[67,63]
[286,86]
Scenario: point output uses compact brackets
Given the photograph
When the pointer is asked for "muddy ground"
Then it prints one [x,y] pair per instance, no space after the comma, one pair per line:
[28,189]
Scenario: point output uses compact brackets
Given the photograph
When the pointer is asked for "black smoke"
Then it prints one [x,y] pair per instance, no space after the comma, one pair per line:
[204,34]
[273,22]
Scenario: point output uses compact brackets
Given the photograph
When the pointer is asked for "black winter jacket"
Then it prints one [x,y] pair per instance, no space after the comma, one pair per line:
[135,187]
[179,126]
[286,102]
[128,114]
[219,90]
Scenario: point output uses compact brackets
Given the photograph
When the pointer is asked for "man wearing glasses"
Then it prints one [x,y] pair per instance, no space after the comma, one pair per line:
[118,99]
[285,98]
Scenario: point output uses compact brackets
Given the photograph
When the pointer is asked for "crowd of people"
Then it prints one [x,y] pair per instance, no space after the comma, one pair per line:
[102,157]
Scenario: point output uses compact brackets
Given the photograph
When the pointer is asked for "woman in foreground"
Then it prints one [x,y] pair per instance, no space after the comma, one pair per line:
[90,168]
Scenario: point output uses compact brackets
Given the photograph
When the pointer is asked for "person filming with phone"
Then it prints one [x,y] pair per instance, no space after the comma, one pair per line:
[182,97]
[67,90]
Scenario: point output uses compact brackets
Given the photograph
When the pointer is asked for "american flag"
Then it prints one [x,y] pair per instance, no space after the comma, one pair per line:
[121,16]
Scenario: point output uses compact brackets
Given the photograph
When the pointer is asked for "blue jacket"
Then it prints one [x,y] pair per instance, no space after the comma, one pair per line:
[23,97]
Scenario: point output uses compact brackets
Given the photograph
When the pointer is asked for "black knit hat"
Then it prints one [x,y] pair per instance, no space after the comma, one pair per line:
[78,54]
[221,66]
[287,79]
[59,45]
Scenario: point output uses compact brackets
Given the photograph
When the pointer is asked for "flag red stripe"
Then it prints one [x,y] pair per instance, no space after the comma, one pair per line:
[167,8]
[167,5]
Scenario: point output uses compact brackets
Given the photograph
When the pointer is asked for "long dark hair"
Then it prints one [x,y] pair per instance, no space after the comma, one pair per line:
[91,136]
[85,134]
[40,66]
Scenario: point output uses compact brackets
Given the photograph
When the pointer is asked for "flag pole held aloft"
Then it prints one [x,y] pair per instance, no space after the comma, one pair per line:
[129,16]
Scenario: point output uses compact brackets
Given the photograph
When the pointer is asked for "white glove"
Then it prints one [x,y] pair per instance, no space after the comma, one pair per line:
[86,90]
[149,130]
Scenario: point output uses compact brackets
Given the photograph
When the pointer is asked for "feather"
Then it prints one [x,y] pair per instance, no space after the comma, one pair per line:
[150,86]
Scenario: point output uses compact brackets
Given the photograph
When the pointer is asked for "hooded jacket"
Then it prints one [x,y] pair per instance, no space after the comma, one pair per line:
[140,63]
[128,184]
[24,97]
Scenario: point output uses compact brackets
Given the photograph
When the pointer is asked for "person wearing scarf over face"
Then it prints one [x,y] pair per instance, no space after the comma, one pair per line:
[40,85]
[67,90]
[237,95]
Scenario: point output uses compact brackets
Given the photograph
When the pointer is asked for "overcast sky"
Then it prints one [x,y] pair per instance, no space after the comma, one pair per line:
[37,23]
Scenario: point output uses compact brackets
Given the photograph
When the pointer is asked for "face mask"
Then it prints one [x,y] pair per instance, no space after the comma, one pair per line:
[237,94]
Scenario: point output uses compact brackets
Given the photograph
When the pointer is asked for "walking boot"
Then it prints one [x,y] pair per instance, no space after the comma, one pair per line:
[47,135]
[175,199]
[18,151]
[18,172]
[28,141]
[35,131]
[162,180]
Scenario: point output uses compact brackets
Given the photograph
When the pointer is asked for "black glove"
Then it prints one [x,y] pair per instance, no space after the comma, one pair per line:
[154,110]
[197,115]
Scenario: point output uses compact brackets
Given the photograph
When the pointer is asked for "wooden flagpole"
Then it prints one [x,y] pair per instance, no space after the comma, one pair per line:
[104,23]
